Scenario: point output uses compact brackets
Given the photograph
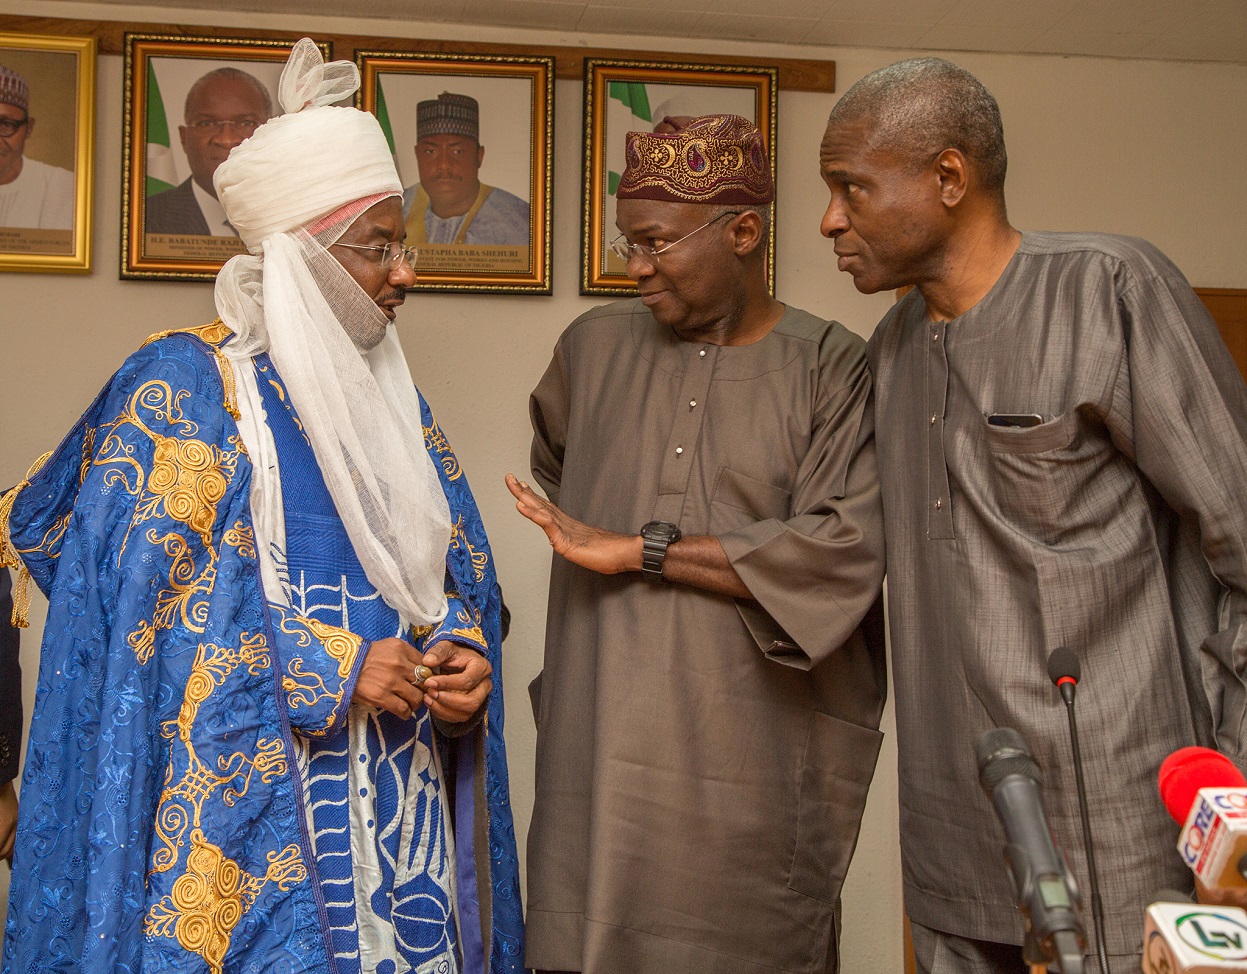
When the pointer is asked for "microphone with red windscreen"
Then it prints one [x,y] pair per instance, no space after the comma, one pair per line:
[1203,789]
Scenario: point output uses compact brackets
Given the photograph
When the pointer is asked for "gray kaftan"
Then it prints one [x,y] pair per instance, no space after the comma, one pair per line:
[702,762]
[1117,528]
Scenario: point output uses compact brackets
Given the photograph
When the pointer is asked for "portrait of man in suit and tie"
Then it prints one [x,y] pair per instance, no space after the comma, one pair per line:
[190,101]
[222,109]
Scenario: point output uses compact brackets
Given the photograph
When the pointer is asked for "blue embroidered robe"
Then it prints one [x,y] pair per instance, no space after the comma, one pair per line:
[161,825]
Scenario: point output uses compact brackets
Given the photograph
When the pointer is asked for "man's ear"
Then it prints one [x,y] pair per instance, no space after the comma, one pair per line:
[953,171]
[480,155]
[747,234]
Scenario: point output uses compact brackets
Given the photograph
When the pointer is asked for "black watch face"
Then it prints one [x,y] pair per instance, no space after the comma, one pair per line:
[660,531]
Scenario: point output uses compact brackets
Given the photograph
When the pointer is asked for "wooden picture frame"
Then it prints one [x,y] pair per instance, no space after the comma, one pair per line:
[493,233]
[622,96]
[46,201]
[172,227]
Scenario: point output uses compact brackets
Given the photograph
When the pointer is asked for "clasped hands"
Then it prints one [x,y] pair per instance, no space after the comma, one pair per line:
[458,688]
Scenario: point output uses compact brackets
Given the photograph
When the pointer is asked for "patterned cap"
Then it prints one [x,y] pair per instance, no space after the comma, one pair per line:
[449,114]
[709,159]
[13,89]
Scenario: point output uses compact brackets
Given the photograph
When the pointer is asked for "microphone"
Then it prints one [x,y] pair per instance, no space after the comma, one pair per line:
[1044,890]
[1064,670]
[1204,790]
[1182,937]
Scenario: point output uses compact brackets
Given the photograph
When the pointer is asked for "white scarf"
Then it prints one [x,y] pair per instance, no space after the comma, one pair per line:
[294,300]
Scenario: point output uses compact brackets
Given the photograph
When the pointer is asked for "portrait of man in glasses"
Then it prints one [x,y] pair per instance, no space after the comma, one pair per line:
[222,109]
[33,195]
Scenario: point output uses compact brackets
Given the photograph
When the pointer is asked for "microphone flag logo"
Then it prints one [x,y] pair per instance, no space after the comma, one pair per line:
[1214,934]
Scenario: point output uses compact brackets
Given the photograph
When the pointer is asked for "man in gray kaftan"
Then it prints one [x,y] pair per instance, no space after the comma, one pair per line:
[706,735]
[1062,452]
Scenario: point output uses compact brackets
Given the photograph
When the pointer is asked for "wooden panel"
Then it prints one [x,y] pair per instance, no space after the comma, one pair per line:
[1229,308]
[794,74]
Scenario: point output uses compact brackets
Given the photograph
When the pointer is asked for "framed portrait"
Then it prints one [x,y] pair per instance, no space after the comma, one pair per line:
[631,96]
[47,144]
[472,140]
[188,102]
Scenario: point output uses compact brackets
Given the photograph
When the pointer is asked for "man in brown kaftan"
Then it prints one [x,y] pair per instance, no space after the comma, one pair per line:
[708,709]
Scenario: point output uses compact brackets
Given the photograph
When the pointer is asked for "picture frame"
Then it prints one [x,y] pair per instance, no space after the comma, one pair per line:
[172,227]
[622,96]
[477,209]
[46,203]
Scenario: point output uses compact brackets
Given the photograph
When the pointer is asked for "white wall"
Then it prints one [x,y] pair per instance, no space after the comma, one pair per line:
[1148,148]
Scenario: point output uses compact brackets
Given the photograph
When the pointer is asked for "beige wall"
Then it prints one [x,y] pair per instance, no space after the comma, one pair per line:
[1148,148]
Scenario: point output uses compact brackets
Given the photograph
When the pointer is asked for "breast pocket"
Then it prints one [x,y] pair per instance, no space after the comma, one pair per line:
[739,500]
[1049,481]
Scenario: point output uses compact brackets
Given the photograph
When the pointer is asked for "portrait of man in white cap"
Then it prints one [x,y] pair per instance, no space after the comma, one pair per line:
[268,734]
[450,204]
[33,195]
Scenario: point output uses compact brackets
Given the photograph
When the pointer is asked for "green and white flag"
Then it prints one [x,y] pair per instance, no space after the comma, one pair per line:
[162,172]
[627,110]
[383,117]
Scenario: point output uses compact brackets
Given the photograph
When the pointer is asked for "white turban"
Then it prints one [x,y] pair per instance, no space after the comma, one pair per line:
[308,162]
[355,398]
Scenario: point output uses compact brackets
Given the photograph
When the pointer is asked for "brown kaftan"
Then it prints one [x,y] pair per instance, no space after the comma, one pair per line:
[702,762]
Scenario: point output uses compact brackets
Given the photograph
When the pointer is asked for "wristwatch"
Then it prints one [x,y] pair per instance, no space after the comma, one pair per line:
[657,535]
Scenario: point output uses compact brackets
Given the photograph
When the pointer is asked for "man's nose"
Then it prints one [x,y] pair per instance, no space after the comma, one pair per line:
[227,133]
[639,267]
[402,275]
[835,221]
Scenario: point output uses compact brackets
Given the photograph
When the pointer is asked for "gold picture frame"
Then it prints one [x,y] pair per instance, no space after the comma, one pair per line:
[494,234]
[172,227]
[622,96]
[54,183]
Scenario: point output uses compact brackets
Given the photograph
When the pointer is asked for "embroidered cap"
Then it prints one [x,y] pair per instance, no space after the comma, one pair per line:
[708,159]
[13,89]
[449,114]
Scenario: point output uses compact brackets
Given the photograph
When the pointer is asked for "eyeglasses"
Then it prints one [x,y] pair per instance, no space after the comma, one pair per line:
[625,250]
[391,254]
[216,126]
[11,126]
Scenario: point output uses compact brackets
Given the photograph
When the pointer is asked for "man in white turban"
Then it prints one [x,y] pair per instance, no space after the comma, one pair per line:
[266,736]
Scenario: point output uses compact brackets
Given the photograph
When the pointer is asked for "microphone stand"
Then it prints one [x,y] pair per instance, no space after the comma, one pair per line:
[1066,687]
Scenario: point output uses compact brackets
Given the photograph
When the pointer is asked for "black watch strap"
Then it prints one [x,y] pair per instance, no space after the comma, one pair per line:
[656,537]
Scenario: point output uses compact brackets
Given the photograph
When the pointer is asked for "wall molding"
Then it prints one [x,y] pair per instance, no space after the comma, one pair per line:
[795,74]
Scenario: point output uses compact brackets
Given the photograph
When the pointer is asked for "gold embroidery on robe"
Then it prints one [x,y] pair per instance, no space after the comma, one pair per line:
[213,893]
[212,896]
[459,539]
[435,440]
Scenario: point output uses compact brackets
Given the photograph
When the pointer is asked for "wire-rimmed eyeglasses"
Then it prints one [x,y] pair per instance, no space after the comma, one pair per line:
[11,126]
[625,250]
[390,255]
[216,126]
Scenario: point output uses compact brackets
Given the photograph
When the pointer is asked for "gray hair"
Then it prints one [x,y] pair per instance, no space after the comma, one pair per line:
[230,74]
[922,106]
